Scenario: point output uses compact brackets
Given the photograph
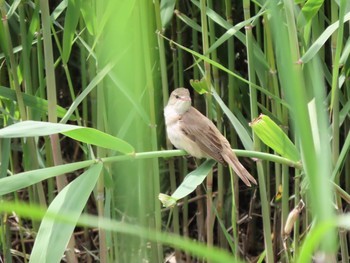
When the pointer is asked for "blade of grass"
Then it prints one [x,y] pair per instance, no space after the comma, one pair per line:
[53,236]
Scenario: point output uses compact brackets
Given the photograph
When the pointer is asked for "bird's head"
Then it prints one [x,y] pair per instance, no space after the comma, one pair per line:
[180,100]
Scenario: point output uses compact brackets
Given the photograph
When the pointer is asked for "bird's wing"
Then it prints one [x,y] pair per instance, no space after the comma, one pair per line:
[203,132]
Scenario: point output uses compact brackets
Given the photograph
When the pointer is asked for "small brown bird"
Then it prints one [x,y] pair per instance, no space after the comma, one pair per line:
[190,130]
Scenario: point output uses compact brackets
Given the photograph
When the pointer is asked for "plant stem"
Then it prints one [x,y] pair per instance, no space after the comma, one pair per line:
[257,145]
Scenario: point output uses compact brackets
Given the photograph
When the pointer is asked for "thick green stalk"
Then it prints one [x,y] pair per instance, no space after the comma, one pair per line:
[161,49]
[180,54]
[277,110]
[257,145]
[83,72]
[200,216]
[171,164]
[297,198]
[336,44]
[220,174]
[315,155]
[234,214]
[153,93]
[100,186]
[209,182]
[233,95]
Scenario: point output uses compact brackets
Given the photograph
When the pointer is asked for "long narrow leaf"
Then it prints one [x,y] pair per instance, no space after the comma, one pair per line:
[70,24]
[33,102]
[189,184]
[15,182]
[319,43]
[53,236]
[82,134]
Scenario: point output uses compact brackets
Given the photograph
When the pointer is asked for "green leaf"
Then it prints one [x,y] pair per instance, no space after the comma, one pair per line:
[342,157]
[70,24]
[94,82]
[189,184]
[274,137]
[239,128]
[213,254]
[89,16]
[53,235]
[13,8]
[219,66]
[166,11]
[199,85]
[319,43]
[13,183]
[33,102]
[188,21]
[308,11]
[101,139]
[82,134]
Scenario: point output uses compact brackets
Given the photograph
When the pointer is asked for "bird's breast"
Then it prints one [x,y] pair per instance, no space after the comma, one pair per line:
[176,135]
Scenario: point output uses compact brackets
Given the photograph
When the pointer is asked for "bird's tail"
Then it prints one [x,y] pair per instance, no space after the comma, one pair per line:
[239,169]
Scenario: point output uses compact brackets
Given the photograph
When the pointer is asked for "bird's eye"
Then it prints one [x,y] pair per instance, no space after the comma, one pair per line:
[177,96]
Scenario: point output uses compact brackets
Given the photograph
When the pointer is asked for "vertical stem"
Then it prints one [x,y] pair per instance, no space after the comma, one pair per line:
[209,182]
[297,223]
[12,62]
[233,94]
[161,49]
[257,145]
[220,174]
[199,191]
[52,103]
[100,187]
[336,45]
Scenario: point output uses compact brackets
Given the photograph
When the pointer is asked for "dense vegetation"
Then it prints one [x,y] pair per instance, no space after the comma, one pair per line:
[84,154]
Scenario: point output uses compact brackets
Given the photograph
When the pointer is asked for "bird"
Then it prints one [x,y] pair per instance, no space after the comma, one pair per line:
[190,130]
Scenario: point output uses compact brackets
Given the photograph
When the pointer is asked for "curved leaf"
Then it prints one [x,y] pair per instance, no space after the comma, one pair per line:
[274,137]
[189,184]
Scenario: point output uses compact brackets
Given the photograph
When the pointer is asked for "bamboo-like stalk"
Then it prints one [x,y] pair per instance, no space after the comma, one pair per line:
[209,181]
[100,186]
[162,52]
[51,97]
[281,172]
[296,232]
[233,93]
[180,54]
[336,46]
[254,113]
[153,103]
[171,164]
[84,73]
[200,215]
[68,75]
[185,219]
[220,174]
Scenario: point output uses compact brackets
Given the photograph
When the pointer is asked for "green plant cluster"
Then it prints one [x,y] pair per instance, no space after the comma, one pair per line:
[87,173]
